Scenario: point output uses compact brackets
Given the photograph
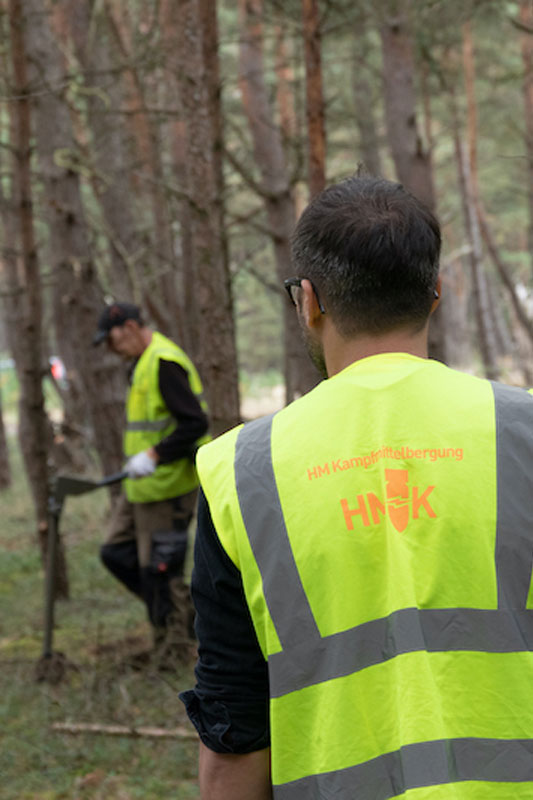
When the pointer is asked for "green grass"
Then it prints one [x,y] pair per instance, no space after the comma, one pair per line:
[96,630]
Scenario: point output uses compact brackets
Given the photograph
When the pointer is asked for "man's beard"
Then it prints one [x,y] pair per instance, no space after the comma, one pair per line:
[315,351]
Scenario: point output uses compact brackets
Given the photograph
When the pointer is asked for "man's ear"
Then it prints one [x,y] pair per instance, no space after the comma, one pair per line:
[309,308]
[438,295]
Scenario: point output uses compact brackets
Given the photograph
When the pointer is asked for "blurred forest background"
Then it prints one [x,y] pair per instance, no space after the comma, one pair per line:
[160,152]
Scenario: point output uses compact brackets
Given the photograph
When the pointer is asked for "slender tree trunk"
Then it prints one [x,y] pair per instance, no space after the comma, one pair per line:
[209,26]
[216,354]
[78,299]
[487,345]
[364,107]
[105,150]
[33,422]
[275,188]
[151,174]
[455,296]
[502,335]
[471,198]
[412,161]
[5,471]
[210,48]
[505,273]
[285,78]
[8,278]
[316,118]
[526,18]
[172,130]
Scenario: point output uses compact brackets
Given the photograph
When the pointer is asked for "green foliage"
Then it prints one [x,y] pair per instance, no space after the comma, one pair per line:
[97,630]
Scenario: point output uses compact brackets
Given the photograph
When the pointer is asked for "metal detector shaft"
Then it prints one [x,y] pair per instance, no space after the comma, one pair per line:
[64,486]
[115,478]
[53,523]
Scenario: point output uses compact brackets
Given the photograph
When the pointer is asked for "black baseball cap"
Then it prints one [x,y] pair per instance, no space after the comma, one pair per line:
[115,314]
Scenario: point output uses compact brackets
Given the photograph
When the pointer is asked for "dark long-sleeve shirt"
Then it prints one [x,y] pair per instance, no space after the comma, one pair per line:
[183,405]
[229,705]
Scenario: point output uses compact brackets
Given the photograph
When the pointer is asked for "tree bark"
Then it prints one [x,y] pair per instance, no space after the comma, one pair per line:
[468,163]
[364,106]
[504,272]
[284,86]
[78,299]
[150,172]
[486,342]
[412,161]
[211,66]
[106,148]
[316,118]
[5,471]
[274,189]
[455,297]
[33,422]
[526,40]
[216,354]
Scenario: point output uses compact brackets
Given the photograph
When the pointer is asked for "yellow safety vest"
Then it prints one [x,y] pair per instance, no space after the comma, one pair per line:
[149,421]
[383,527]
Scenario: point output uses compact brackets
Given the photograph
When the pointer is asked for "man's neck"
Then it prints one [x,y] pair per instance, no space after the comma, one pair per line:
[340,352]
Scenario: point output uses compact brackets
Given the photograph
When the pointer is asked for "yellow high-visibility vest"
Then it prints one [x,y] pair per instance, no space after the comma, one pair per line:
[383,527]
[149,421]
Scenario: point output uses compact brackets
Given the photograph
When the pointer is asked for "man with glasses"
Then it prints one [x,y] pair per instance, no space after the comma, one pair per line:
[364,557]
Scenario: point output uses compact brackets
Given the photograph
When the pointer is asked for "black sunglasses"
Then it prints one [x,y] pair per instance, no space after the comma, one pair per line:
[291,284]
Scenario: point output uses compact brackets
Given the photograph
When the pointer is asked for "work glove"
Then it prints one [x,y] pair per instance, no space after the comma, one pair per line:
[140,465]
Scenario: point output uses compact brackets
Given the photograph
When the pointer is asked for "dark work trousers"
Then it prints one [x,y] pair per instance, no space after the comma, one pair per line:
[146,547]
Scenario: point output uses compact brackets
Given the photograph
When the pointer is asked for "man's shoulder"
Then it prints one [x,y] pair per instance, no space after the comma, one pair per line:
[218,449]
[161,344]
[252,436]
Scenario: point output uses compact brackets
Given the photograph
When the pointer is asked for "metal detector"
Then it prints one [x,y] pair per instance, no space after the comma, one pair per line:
[51,666]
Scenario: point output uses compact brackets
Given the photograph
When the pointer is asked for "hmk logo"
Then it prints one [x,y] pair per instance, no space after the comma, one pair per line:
[401,500]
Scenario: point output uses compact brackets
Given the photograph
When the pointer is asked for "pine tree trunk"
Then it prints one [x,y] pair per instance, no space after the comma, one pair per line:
[150,172]
[364,107]
[77,297]
[33,422]
[105,150]
[412,161]
[467,163]
[526,18]
[5,471]
[284,86]
[505,274]
[216,354]
[316,118]
[275,190]
[487,345]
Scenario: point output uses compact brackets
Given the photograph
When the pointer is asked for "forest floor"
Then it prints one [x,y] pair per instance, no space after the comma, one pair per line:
[97,630]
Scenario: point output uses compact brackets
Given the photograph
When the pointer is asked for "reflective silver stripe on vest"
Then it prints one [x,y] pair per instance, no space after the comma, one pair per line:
[265,525]
[142,425]
[417,765]
[514,542]
[404,631]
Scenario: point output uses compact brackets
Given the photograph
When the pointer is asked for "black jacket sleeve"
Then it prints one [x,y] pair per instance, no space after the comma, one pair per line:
[229,705]
[183,405]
